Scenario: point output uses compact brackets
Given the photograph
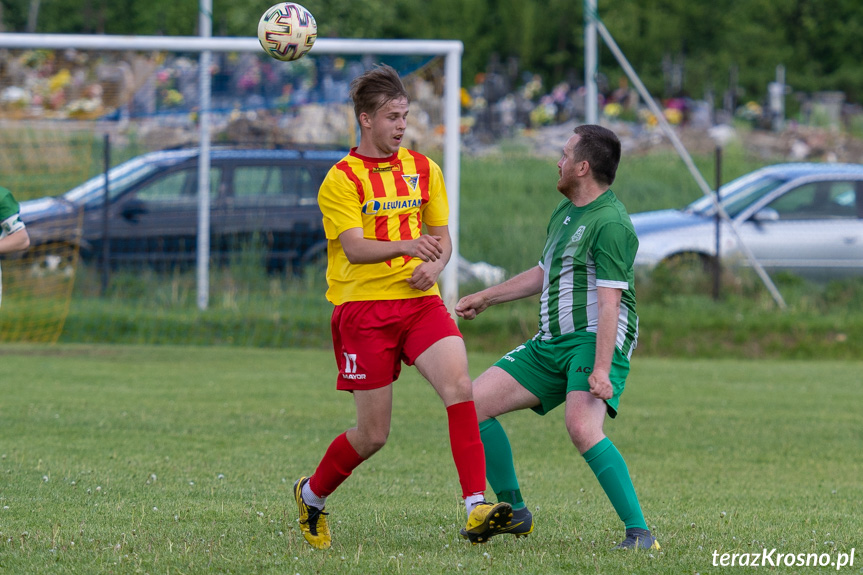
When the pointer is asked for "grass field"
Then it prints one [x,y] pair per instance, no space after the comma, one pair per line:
[124,459]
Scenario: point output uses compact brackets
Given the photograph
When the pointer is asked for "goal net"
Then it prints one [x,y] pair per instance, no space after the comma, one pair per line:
[37,159]
[72,106]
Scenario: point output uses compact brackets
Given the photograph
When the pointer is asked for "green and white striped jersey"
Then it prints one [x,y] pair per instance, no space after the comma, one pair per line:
[9,221]
[586,247]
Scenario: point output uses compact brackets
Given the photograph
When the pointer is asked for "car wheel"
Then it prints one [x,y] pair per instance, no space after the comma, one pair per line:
[50,266]
[686,272]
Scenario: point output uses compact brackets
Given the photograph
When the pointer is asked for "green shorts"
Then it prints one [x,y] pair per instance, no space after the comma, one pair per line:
[551,369]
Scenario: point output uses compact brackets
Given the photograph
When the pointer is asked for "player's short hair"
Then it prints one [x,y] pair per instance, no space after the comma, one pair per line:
[374,88]
[600,147]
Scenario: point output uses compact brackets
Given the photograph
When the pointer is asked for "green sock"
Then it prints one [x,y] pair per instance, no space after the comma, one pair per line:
[499,467]
[610,469]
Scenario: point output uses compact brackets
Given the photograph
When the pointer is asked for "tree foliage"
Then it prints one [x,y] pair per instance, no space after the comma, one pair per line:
[686,46]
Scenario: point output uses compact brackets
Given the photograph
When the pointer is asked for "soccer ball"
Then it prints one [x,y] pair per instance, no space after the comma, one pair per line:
[287,31]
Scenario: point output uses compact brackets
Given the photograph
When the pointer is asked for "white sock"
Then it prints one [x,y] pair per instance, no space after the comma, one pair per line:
[472,501]
[311,499]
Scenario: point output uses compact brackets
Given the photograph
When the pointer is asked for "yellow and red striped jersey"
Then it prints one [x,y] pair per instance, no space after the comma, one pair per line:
[390,199]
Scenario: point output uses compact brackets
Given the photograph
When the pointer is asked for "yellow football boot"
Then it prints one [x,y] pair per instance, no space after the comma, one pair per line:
[313,521]
[487,520]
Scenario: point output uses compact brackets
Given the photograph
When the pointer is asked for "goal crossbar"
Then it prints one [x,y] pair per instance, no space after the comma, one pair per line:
[451,50]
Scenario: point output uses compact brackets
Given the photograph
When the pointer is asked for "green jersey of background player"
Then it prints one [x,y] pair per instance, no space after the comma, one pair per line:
[13,235]
[588,328]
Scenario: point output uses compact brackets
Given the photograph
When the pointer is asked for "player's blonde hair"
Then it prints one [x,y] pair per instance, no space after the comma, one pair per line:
[372,89]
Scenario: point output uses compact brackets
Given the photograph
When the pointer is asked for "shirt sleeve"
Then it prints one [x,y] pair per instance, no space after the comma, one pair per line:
[436,211]
[614,256]
[10,222]
[339,201]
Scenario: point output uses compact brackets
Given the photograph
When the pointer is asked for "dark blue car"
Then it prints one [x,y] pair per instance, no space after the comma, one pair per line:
[266,198]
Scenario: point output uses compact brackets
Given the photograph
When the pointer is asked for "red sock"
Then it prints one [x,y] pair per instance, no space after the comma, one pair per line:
[467,450]
[339,461]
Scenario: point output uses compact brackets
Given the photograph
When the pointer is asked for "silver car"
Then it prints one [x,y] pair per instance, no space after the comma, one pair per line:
[804,218]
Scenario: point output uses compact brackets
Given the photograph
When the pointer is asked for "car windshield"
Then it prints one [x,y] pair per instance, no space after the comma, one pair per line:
[737,195]
[90,192]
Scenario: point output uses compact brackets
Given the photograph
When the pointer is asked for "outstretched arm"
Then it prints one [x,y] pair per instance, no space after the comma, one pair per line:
[15,242]
[523,285]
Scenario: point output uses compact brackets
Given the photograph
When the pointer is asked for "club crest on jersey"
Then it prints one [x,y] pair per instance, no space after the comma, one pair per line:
[371,207]
[578,233]
[412,181]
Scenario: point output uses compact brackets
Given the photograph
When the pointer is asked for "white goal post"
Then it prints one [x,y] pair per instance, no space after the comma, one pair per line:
[204,45]
[592,24]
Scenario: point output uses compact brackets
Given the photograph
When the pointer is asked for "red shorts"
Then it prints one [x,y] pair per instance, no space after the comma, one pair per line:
[372,338]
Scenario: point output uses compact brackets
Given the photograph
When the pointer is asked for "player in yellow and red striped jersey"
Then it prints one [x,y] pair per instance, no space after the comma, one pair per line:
[382,272]
[388,199]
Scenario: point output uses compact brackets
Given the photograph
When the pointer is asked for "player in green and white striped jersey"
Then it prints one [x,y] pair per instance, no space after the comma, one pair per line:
[588,247]
[588,328]
[13,235]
